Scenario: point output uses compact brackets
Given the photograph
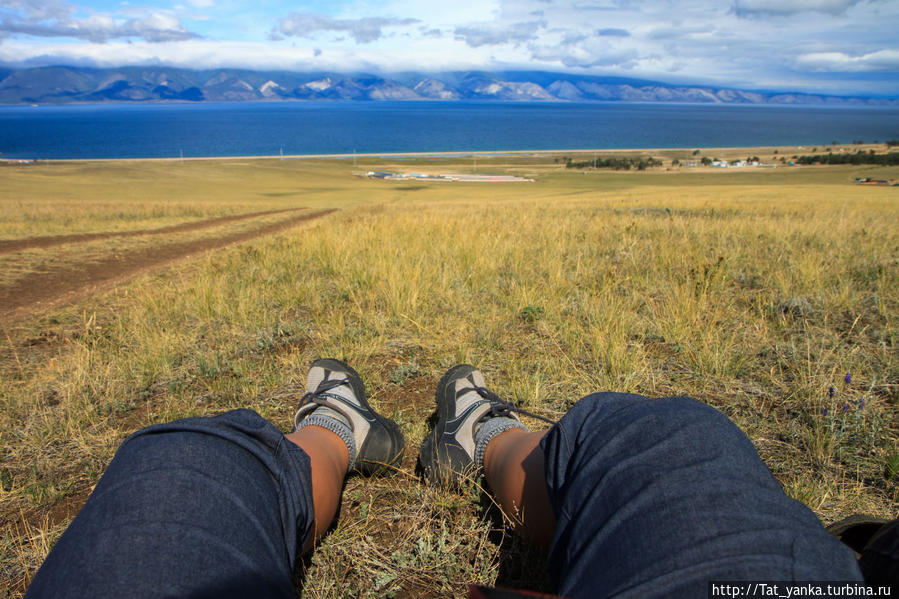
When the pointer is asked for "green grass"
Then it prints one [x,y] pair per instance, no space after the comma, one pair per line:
[753,291]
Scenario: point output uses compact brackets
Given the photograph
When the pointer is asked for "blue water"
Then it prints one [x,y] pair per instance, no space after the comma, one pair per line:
[258,129]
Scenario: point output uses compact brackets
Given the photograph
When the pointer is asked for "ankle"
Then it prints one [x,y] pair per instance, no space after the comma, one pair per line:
[324,445]
[501,447]
[490,430]
[338,428]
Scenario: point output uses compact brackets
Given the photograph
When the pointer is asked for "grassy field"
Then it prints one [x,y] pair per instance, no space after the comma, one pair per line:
[770,294]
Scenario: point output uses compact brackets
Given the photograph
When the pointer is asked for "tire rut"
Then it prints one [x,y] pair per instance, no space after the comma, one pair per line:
[40,290]
[8,246]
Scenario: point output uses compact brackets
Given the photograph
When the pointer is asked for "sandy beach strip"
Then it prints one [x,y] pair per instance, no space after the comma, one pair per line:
[669,152]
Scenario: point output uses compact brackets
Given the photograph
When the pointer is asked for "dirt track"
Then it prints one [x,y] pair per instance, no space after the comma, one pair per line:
[40,290]
[15,245]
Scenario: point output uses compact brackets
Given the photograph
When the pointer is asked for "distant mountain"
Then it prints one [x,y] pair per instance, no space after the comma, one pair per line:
[61,84]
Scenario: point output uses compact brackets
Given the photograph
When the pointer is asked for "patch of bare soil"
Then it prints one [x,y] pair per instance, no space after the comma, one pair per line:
[40,290]
[15,245]
[60,512]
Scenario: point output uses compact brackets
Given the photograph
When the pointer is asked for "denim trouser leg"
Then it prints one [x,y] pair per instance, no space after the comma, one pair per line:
[655,497]
[200,507]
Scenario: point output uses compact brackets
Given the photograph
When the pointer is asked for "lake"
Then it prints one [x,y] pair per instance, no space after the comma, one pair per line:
[268,128]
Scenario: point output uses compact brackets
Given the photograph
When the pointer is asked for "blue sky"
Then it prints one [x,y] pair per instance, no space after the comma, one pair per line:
[834,46]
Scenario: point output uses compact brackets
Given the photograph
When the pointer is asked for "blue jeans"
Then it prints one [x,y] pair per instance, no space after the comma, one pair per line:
[652,497]
[656,497]
[200,507]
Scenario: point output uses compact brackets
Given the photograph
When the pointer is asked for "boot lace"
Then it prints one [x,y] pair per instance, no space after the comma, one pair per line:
[499,407]
[320,396]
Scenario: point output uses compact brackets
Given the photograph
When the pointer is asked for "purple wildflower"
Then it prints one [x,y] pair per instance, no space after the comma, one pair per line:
[831,391]
[845,407]
[848,378]
[824,411]
[861,404]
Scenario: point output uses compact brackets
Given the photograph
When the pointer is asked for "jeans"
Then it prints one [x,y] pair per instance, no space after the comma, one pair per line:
[656,497]
[200,507]
[653,497]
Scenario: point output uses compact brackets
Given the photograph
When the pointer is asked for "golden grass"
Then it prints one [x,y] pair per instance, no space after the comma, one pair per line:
[752,291]
[81,197]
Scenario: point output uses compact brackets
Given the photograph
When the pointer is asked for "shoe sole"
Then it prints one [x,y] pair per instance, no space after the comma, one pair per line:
[397,440]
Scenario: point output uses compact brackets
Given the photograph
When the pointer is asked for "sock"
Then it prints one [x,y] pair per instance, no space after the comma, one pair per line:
[490,429]
[327,418]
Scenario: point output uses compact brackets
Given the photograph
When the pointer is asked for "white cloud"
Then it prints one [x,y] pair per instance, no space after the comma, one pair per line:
[54,18]
[364,30]
[586,51]
[155,27]
[34,10]
[882,60]
[206,53]
[491,35]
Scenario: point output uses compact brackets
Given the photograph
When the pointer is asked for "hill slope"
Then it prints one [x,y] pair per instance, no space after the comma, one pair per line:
[60,84]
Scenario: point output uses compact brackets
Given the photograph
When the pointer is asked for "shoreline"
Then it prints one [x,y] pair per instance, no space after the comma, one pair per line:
[724,151]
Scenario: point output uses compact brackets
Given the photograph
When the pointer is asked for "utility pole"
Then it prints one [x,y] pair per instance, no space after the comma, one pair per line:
[282,152]
[181,152]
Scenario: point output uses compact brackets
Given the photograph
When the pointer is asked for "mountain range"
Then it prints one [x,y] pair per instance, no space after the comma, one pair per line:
[64,84]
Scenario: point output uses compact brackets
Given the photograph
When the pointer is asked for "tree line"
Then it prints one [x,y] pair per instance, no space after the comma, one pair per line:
[860,157]
[617,163]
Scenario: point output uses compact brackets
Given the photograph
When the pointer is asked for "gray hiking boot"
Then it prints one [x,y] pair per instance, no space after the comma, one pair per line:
[335,400]
[468,417]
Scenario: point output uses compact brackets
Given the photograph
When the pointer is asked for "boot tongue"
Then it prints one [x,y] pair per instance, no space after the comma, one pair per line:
[316,377]
[471,397]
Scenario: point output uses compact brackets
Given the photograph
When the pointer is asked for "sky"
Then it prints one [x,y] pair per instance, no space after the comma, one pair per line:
[845,47]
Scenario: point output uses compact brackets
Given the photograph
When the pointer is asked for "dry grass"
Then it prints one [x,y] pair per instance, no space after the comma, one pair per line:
[755,292]
[81,197]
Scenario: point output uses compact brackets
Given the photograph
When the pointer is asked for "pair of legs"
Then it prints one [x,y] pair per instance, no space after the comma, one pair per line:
[634,496]
[513,467]
[475,430]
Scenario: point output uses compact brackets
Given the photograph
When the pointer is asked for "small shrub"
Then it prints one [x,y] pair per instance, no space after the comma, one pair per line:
[531,313]
[403,372]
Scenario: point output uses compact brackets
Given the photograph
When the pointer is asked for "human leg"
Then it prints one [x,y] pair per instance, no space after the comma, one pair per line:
[656,497]
[647,497]
[514,470]
[197,507]
[476,430]
[329,460]
[220,506]
[340,432]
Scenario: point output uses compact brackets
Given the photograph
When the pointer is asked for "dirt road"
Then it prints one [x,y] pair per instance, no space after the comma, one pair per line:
[8,246]
[40,290]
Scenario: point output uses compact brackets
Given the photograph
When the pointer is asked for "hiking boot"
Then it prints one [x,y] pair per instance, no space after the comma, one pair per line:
[468,417]
[335,400]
